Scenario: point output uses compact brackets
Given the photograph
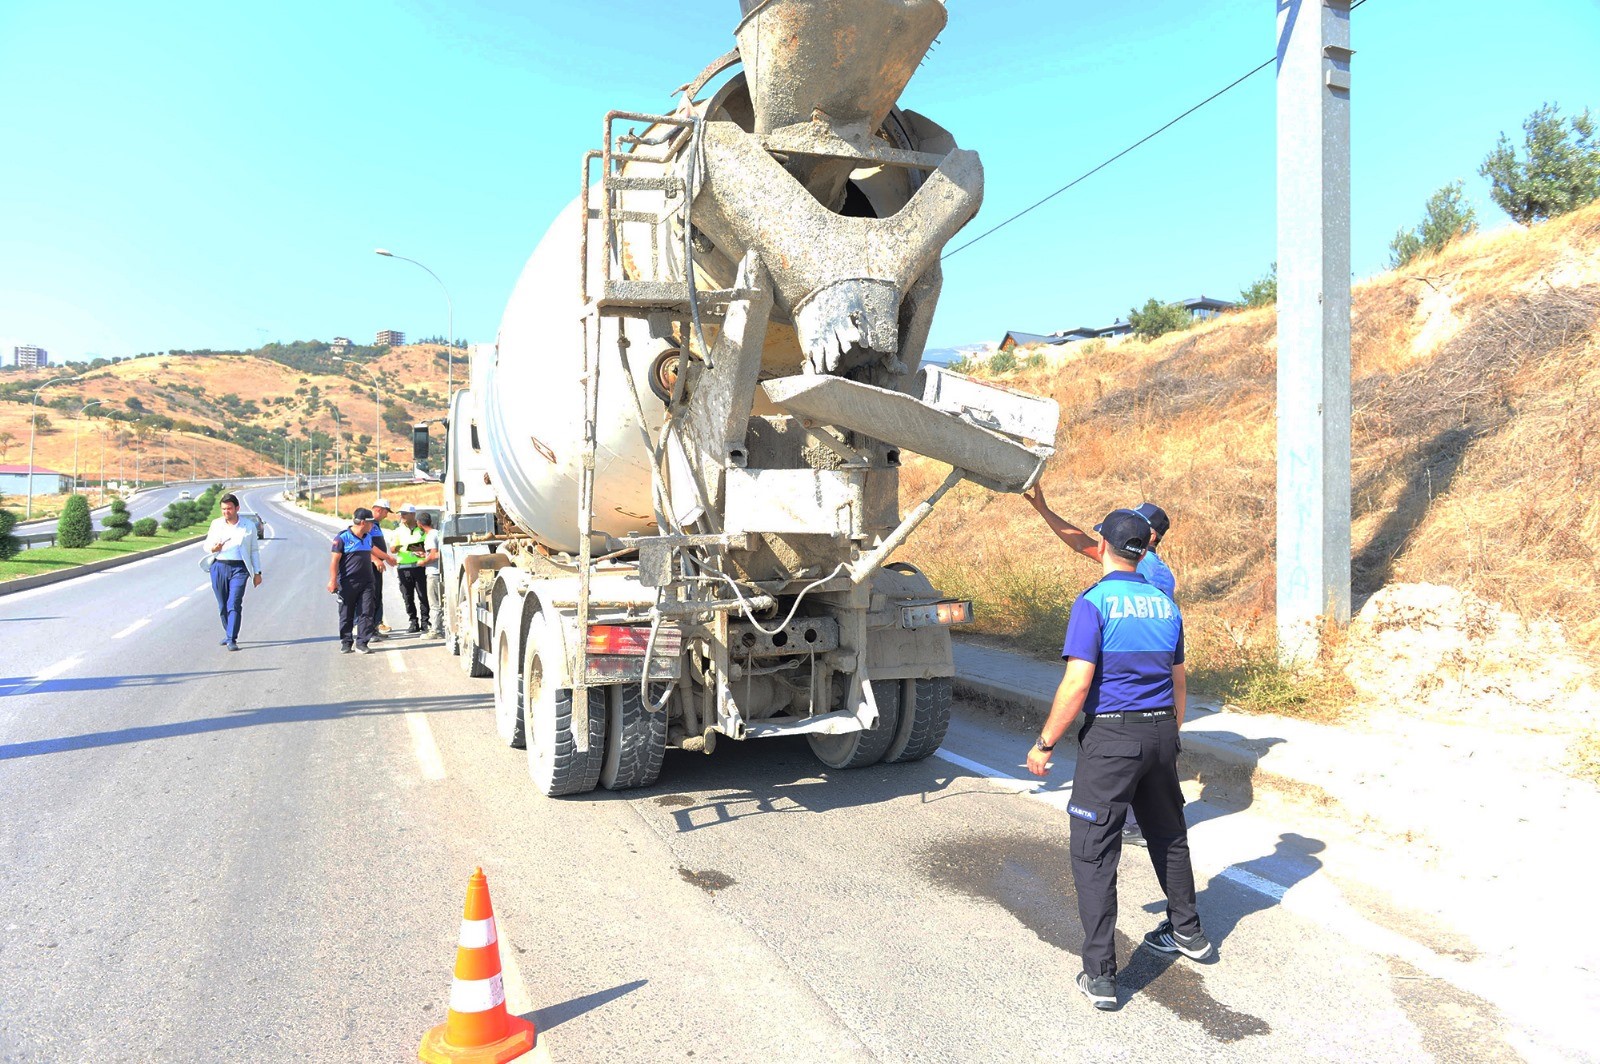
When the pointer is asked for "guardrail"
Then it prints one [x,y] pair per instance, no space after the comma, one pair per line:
[40,539]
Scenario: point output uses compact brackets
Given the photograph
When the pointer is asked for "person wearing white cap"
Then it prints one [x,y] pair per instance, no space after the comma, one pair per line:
[380,512]
[411,550]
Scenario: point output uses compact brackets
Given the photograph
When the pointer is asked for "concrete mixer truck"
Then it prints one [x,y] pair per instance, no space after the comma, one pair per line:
[671,491]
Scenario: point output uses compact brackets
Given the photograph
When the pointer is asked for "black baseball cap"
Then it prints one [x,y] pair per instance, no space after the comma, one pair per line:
[1155,515]
[362,514]
[1126,532]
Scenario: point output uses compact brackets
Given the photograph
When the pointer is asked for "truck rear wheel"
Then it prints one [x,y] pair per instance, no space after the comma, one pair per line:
[924,718]
[555,764]
[636,739]
[508,692]
[858,748]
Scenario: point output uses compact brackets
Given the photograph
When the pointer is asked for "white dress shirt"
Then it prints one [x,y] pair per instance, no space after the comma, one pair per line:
[238,543]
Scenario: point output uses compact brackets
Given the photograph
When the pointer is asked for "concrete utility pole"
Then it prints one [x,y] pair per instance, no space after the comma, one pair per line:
[1313,321]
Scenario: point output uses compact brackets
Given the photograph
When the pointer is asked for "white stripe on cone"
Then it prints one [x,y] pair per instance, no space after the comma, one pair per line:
[477,995]
[475,934]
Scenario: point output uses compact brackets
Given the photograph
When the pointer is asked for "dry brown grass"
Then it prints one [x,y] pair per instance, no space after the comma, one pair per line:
[1476,453]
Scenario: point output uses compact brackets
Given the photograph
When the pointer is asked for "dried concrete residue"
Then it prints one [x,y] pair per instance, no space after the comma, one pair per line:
[1446,653]
[708,880]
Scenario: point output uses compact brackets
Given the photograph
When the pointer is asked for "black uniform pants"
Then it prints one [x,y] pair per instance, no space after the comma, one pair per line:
[1123,763]
[377,599]
[414,589]
[355,612]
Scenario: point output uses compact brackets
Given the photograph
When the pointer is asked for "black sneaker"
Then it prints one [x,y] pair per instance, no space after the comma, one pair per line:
[1132,836]
[224,642]
[233,646]
[346,648]
[363,649]
[1197,947]
[415,627]
[1101,990]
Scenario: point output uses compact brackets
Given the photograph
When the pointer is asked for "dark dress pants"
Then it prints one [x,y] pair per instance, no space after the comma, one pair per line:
[228,581]
[355,613]
[1122,764]
[414,589]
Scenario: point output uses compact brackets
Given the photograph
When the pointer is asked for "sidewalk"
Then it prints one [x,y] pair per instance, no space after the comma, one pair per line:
[1463,836]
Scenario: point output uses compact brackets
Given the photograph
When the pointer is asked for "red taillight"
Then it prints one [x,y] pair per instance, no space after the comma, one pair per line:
[618,639]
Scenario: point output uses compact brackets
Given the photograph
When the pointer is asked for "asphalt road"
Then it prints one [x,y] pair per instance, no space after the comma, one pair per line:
[262,856]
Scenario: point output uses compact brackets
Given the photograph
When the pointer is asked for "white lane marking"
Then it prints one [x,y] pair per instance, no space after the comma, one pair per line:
[518,1003]
[426,749]
[202,587]
[175,603]
[1275,891]
[132,628]
[397,662]
[1056,799]
[44,676]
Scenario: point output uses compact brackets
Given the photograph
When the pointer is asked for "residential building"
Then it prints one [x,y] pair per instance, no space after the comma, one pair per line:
[14,480]
[392,337]
[341,344]
[1200,308]
[29,357]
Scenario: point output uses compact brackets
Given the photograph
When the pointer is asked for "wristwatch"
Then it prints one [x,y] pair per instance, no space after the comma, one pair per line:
[1040,744]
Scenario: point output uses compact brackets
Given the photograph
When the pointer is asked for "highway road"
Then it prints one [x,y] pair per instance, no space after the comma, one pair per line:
[262,856]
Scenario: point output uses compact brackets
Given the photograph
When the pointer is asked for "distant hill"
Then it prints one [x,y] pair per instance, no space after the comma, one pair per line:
[228,413]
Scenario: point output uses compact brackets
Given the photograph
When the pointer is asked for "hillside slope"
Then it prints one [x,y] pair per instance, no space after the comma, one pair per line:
[1476,454]
[226,414]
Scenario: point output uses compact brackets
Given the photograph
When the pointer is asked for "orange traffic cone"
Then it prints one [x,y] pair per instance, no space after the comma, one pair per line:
[477,1029]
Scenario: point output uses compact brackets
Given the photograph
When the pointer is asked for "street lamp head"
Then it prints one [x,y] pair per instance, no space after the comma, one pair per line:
[385,252]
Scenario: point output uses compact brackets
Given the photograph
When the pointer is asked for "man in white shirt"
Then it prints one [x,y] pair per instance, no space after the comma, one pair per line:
[430,566]
[235,560]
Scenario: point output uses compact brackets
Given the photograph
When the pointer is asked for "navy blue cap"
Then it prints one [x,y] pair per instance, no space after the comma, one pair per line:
[1126,532]
[1155,515]
[362,514]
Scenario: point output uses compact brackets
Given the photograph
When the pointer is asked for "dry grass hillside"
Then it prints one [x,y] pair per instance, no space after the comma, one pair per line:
[1476,454]
[232,412]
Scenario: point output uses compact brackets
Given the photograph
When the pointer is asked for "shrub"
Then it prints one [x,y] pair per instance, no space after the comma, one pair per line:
[8,543]
[113,533]
[1001,361]
[1262,292]
[116,521]
[1560,171]
[75,528]
[145,526]
[1444,219]
[1158,319]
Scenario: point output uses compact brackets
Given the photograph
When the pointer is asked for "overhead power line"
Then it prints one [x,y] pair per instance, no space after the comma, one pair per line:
[1142,140]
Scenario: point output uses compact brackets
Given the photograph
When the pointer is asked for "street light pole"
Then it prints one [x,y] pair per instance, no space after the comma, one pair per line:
[450,350]
[77,433]
[33,432]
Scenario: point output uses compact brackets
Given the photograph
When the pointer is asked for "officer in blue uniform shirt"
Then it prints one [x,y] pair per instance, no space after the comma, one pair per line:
[1125,676]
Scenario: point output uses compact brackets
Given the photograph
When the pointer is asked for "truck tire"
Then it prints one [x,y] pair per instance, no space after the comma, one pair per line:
[467,622]
[859,748]
[508,691]
[554,762]
[924,718]
[636,739]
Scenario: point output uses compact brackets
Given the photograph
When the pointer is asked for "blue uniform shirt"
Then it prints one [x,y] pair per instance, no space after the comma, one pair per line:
[1133,634]
[1155,570]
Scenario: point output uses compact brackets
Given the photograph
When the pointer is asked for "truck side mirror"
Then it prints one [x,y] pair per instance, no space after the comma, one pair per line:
[419,443]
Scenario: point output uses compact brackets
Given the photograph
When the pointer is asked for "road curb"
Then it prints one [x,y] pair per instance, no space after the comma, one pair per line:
[1203,758]
[27,583]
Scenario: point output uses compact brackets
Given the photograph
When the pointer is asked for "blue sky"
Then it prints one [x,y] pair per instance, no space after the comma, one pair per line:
[186,175]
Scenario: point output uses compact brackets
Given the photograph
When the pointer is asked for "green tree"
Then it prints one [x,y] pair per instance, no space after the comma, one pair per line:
[1262,292]
[1157,319]
[1444,219]
[1560,170]
[75,528]
[8,543]
[145,526]
[116,523]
